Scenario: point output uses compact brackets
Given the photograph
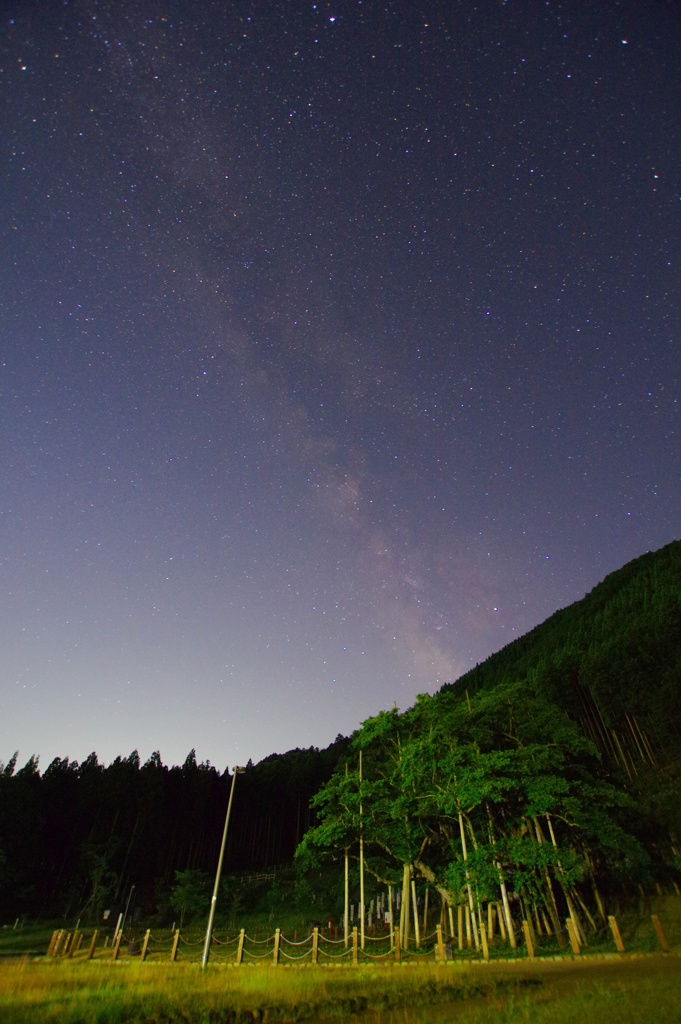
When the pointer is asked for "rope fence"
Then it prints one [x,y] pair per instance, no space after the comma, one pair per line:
[318,949]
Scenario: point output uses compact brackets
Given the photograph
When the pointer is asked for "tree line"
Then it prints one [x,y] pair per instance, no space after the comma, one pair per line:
[76,837]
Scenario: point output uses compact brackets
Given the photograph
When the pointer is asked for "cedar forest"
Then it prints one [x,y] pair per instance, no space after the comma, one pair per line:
[548,774]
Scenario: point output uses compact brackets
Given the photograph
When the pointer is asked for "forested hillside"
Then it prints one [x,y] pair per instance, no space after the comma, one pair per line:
[544,782]
[620,646]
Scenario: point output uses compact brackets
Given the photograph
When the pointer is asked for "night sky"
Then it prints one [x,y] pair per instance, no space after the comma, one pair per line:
[339,347]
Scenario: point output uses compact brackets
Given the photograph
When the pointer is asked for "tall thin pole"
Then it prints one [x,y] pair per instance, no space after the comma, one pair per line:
[346,922]
[361,855]
[213,902]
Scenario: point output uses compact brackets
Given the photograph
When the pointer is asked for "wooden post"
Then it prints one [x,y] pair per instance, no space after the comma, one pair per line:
[53,943]
[528,939]
[117,944]
[67,943]
[440,947]
[531,927]
[425,914]
[240,947]
[315,944]
[459,925]
[397,945]
[619,945]
[450,914]
[93,943]
[500,918]
[145,944]
[660,933]
[75,943]
[490,921]
[355,955]
[483,939]
[572,934]
[469,939]
[176,942]
[277,940]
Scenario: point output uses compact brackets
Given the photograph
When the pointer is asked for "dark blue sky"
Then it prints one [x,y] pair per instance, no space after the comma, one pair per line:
[340,346]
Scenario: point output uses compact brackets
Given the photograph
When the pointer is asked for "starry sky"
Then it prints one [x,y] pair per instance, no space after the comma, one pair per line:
[339,347]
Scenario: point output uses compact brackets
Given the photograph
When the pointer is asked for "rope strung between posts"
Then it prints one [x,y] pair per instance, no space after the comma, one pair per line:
[300,942]
[294,958]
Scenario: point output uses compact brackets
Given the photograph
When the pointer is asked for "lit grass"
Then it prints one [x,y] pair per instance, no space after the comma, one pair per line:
[112,993]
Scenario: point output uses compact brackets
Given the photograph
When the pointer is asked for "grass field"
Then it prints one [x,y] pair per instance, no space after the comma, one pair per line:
[607,991]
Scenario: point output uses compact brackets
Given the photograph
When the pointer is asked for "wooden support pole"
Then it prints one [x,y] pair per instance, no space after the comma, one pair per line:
[93,943]
[528,939]
[355,953]
[452,933]
[660,933]
[572,934]
[240,947]
[469,938]
[53,943]
[315,945]
[145,945]
[500,918]
[405,915]
[117,944]
[483,940]
[67,943]
[619,945]
[490,921]
[75,943]
[396,933]
[459,925]
[176,942]
[417,932]
[440,947]
[277,940]
[531,927]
